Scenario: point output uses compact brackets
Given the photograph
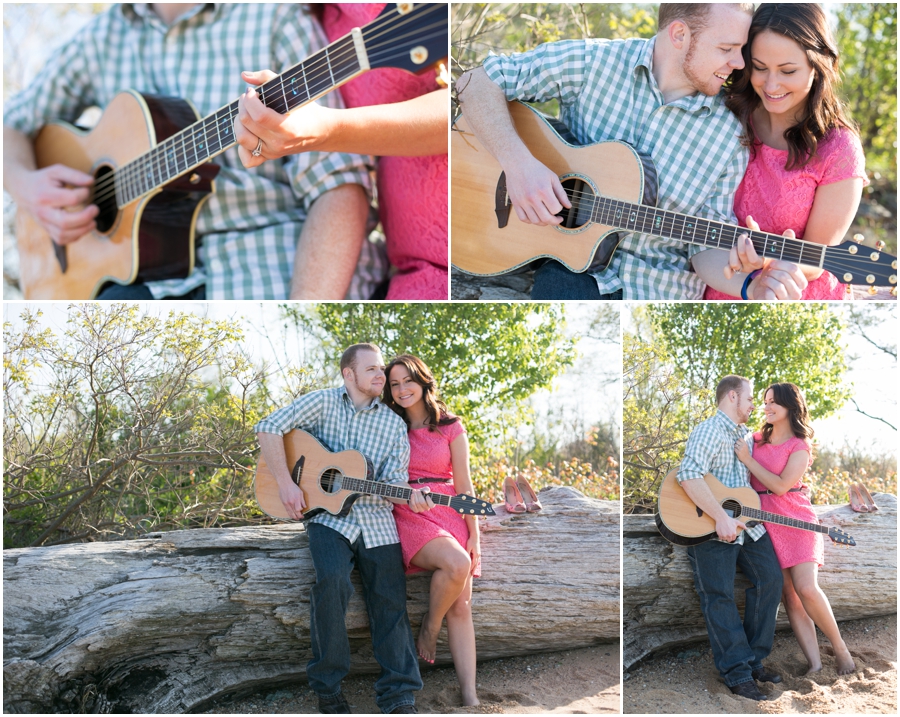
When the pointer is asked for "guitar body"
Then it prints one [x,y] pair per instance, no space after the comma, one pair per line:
[681,522]
[481,246]
[147,240]
[317,471]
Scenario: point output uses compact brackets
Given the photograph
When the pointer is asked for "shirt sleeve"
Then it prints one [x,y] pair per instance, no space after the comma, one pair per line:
[699,453]
[395,467]
[844,158]
[555,70]
[303,413]
[720,204]
[314,173]
[452,430]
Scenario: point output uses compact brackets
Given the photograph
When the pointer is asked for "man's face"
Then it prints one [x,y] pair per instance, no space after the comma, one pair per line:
[744,405]
[716,51]
[367,375]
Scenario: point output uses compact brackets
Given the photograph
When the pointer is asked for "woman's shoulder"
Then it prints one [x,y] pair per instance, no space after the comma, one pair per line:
[757,437]
[799,444]
[451,427]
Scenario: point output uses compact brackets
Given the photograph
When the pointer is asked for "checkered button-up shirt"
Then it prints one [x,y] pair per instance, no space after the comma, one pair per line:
[607,91]
[710,449]
[250,225]
[375,431]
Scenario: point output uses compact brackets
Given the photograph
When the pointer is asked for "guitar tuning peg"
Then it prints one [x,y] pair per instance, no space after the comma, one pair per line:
[879,245]
[858,238]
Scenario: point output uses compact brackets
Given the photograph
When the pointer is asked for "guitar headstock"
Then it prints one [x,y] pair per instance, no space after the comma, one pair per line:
[840,538]
[855,263]
[409,36]
[467,505]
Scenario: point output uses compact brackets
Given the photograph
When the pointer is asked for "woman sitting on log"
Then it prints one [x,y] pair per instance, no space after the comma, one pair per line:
[781,454]
[442,541]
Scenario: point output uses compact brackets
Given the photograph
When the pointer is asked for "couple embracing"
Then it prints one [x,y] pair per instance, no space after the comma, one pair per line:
[781,562]
[394,417]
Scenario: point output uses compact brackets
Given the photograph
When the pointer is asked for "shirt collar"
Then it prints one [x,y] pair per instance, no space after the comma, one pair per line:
[698,102]
[376,402]
[142,12]
[726,420]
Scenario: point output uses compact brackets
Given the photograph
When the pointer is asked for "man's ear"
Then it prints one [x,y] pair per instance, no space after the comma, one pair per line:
[679,34]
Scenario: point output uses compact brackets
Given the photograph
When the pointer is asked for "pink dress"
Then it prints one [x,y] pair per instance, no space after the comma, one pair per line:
[412,191]
[792,546]
[429,457]
[780,200]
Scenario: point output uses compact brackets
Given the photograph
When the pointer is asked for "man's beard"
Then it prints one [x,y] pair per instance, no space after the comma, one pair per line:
[371,392]
[707,87]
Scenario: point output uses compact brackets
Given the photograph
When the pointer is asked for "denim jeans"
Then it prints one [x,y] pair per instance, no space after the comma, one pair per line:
[738,648]
[552,281]
[384,587]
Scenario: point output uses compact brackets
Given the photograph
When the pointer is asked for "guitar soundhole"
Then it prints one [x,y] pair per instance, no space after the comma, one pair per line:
[330,481]
[732,507]
[105,199]
[581,195]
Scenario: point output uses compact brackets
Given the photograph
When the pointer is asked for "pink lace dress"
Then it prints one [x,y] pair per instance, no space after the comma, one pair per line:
[429,457]
[780,200]
[412,191]
[792,546]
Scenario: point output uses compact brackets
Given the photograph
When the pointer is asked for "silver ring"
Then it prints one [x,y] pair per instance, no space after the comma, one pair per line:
[258,151]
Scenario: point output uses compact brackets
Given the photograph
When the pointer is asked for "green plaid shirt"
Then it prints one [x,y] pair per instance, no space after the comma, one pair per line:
[375,431]
[607,91]
[710,449]
[251,225]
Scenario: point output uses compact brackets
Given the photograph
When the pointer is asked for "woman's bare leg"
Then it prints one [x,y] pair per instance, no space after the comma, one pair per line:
[805,579]
[801,623]
[461,636]
[451,564]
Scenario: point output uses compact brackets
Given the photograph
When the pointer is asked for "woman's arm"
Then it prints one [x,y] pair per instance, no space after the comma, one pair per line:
[411,128]
[778,484]
[462,483]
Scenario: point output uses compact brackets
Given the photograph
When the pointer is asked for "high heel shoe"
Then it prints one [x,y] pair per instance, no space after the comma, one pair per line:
[512,496]
[867,497]
[532,504]
[857,502]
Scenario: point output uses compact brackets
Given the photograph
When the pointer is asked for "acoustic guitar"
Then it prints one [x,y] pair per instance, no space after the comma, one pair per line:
[150,158]
[680,521]
[331,482]
[612,188]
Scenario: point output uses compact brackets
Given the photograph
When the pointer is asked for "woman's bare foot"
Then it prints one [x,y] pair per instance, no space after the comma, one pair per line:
[814,668]
[426,642]
[470,700]
[845,664]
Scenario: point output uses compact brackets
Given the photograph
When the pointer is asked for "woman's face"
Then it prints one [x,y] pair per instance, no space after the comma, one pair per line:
[773,412]
[780,74]
[404,390]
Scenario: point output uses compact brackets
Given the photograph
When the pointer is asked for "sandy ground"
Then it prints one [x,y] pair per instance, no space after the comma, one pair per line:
[585,681]
[686,682]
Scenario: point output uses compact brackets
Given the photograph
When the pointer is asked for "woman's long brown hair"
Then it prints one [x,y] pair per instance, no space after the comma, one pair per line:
[807,25]
[438,414]
[788,396]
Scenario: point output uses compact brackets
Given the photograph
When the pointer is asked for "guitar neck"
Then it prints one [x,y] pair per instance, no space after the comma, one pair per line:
[767,517]
[388,490]
[704,232]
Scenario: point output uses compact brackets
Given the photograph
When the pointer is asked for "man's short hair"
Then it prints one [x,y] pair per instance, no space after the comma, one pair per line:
[348,359]
[729,383]
[693,14]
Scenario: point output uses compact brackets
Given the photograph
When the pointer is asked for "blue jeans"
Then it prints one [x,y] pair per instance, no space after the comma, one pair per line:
[384,587]
[552,281]
[738,648]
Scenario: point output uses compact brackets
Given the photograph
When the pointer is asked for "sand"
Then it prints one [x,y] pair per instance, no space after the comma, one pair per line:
[686,682]
[585,681]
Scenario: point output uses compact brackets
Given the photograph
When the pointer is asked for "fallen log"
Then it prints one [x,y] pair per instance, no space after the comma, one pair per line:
[661,609]
[169,622]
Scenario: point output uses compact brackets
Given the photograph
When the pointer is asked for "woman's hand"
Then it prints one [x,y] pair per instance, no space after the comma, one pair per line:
[305,130]
[419,501]
[742,451]
[473,547]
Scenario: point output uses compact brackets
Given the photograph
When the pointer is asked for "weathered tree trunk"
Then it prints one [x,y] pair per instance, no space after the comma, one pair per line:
[166,623]
[661,608]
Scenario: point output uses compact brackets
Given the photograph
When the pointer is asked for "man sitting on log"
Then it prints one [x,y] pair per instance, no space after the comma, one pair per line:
[353,417]
[738,648]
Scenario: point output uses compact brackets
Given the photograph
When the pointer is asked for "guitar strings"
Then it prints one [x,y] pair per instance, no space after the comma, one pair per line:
[343,50]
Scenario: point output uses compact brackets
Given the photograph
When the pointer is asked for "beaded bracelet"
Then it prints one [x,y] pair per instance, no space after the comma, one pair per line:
[750,277]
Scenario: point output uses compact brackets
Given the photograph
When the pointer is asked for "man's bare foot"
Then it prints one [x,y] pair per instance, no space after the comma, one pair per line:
[845,664]
[426,642]
[471,701]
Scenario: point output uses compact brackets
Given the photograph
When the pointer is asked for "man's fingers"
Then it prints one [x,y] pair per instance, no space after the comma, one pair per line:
[258,77]
[66,175]
[560,193]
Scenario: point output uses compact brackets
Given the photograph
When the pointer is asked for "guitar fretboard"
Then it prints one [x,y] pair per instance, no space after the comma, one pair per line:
[767,517]
[693,230]
[388,490]
[203,140]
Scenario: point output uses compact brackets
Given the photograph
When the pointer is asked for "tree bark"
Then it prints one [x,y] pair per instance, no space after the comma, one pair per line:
[166,623]
[661,609]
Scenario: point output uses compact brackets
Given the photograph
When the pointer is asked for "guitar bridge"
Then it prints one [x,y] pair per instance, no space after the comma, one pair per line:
[501,202]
